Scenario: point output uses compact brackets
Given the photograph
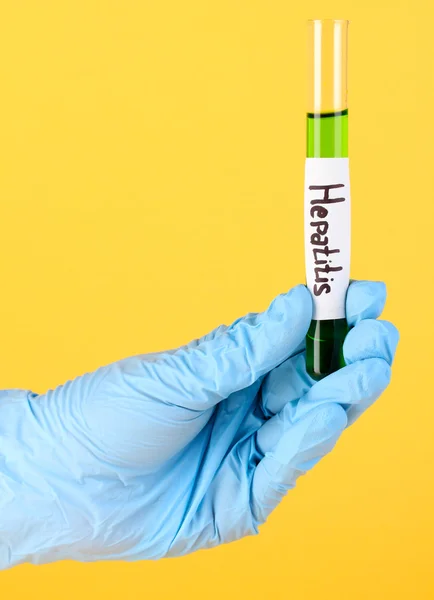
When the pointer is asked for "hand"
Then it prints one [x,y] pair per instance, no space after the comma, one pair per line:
[160,455]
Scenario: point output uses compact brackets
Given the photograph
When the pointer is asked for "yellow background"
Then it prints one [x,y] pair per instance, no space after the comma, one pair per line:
[151,181]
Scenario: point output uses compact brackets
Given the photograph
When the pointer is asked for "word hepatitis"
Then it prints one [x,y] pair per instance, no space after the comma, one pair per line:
[319,240]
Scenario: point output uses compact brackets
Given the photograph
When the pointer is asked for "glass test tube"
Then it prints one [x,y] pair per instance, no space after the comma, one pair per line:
[327,195]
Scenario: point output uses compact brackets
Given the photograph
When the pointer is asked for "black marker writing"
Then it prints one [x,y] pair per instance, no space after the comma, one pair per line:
[319,240]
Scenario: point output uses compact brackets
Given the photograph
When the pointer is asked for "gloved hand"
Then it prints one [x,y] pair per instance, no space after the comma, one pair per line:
[163,454]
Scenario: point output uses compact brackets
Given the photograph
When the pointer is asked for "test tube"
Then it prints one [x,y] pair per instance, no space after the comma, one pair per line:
[327,195]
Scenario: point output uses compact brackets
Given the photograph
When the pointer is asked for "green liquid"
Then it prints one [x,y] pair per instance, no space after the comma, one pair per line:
[327,137]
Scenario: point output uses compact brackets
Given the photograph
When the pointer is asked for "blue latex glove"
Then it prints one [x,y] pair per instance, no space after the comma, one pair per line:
[163,454]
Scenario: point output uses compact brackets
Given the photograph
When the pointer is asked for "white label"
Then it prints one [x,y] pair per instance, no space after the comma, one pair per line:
[327,234]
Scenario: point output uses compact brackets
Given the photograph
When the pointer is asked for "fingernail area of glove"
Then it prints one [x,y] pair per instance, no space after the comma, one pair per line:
[365,298]
[371,339]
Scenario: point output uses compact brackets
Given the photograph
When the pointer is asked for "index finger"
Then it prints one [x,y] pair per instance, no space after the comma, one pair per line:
[365,300]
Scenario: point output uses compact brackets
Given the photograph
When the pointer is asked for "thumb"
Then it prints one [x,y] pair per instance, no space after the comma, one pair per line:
[239,355]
